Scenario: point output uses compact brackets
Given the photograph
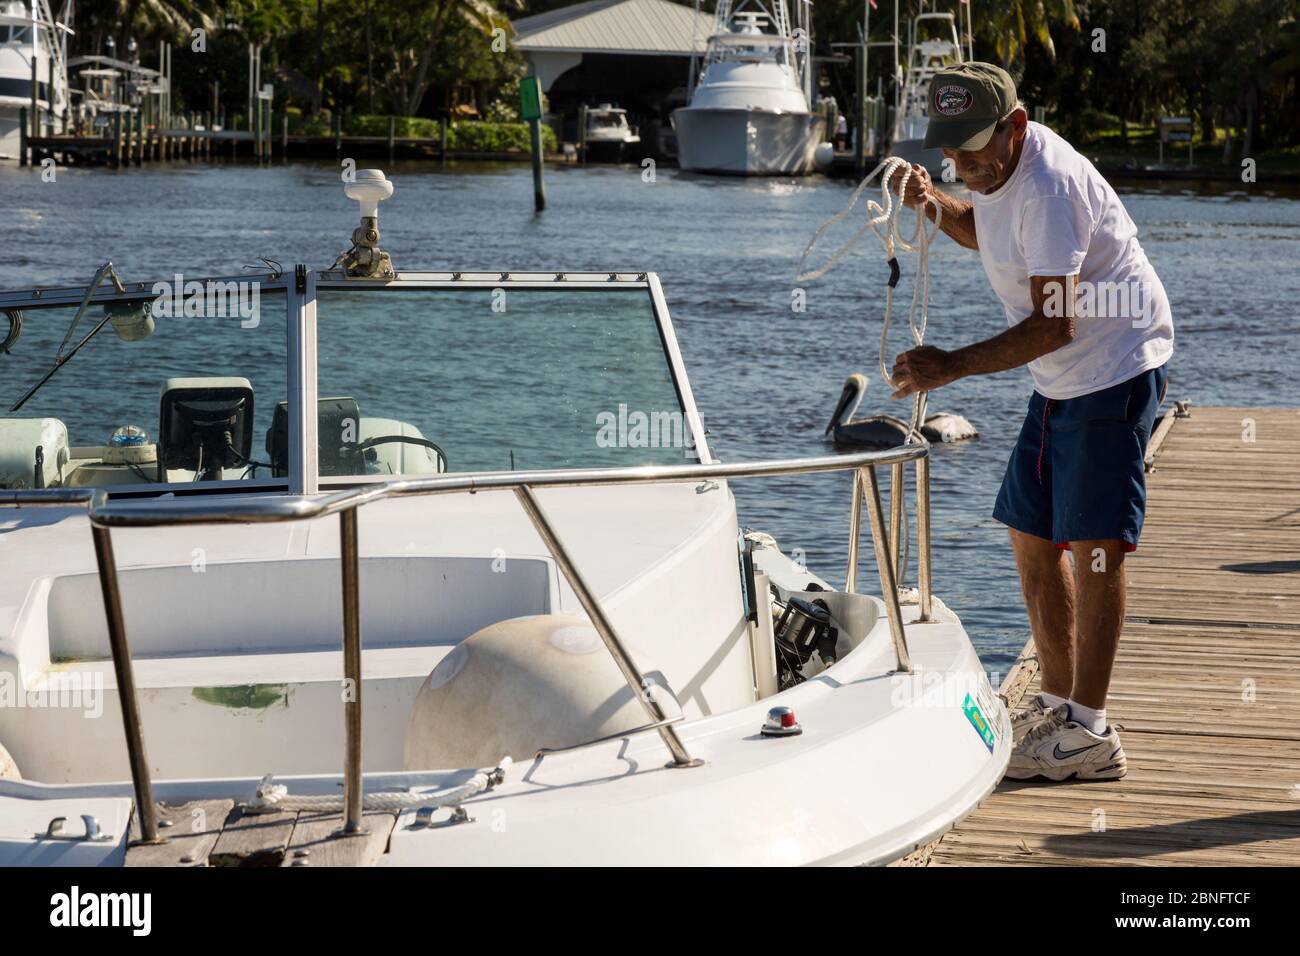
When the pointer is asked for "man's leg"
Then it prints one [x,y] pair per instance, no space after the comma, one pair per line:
[1099,582]
[1049,589]
[1076,741]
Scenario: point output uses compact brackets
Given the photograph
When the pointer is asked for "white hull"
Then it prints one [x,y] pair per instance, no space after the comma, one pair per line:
[878,771]
[885,762]
[612,150]
[16,79]
[9,136]
[747,142]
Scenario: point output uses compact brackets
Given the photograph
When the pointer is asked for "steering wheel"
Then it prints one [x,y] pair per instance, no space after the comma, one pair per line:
[408,440]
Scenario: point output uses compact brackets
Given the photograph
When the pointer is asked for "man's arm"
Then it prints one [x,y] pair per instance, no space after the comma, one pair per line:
[958,218]
[958,215]
[1048,327]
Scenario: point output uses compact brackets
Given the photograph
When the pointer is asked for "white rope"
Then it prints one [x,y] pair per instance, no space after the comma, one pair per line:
[885,213]
[272,796]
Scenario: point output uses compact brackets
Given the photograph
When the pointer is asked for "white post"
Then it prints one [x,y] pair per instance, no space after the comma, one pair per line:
[970,35]
[898,87]
[35,73]
[251,92]
[868,141]
[808,51]
[866,44]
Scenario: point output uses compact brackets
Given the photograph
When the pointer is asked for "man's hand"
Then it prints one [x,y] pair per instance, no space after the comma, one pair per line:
[923,370]
[919,185]
[1048,328]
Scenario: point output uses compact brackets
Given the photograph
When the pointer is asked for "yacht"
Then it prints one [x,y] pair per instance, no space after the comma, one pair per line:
[609,136]
[750,113]
[933,45]
[370,565]
[29,32]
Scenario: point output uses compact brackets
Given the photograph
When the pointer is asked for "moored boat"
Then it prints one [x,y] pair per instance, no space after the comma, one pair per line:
[750,112]
[573,652]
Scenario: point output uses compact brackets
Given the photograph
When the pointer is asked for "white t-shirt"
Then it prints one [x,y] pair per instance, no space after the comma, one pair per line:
[1056,216]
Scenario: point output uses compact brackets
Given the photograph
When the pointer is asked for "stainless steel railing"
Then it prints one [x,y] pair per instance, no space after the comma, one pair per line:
[105,516]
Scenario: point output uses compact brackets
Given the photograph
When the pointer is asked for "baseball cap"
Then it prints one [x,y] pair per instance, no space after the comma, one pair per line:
[966,102]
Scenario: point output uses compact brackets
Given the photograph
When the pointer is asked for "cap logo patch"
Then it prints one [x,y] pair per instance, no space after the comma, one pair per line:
[953,100]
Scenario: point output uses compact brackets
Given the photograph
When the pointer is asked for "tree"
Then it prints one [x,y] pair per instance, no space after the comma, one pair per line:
[1011,23]
[421,23]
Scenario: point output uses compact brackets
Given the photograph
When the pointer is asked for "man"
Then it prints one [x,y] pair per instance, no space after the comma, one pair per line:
[1088,315]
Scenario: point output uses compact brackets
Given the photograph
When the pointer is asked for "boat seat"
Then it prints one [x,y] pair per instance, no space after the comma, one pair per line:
[338,415]
[33,452]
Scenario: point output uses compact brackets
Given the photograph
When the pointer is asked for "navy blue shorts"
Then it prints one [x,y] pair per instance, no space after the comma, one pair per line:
[1077,472]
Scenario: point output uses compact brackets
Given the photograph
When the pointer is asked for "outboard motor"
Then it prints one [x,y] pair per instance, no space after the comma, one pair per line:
[803,629]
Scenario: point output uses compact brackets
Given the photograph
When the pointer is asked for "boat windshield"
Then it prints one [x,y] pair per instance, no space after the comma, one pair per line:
[184,394]
[422,380]
[750,48]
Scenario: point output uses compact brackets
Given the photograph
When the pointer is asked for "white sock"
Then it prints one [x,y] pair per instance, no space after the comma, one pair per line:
[1094,720]
[1051,700]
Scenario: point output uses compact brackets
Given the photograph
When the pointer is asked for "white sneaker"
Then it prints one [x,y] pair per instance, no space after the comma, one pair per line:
[1023,720]
[1058,748]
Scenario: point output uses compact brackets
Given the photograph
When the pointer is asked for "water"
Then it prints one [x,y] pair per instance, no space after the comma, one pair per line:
[765,377]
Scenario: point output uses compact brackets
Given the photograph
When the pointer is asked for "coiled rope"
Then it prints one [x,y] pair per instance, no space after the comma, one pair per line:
[272,796]
[15,318]
[882,219]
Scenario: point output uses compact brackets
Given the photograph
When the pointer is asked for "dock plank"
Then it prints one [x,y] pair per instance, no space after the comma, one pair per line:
[1207,681]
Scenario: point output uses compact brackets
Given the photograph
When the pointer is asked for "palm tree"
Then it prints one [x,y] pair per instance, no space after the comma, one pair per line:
[1013,22]
[427,22]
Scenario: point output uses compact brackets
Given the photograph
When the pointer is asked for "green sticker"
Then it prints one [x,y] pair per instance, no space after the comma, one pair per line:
[978,721]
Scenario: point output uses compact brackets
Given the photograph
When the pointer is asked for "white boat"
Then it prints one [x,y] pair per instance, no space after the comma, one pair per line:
[426,619]
[609,136]
[28,31]
[933,45]
[750,113]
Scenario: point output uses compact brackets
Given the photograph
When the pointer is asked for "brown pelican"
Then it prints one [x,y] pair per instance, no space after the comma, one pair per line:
[885,431]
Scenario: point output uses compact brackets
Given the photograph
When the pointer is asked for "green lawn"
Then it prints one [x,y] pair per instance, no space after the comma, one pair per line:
[1106,148]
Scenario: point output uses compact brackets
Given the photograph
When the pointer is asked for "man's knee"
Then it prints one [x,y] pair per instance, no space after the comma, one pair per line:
[1030,547]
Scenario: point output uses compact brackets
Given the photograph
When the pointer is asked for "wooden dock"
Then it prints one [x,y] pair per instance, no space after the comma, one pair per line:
[1207,684]
[128,141]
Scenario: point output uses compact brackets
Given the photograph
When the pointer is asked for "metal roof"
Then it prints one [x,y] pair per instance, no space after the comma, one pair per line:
[646,27]
[121,65]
